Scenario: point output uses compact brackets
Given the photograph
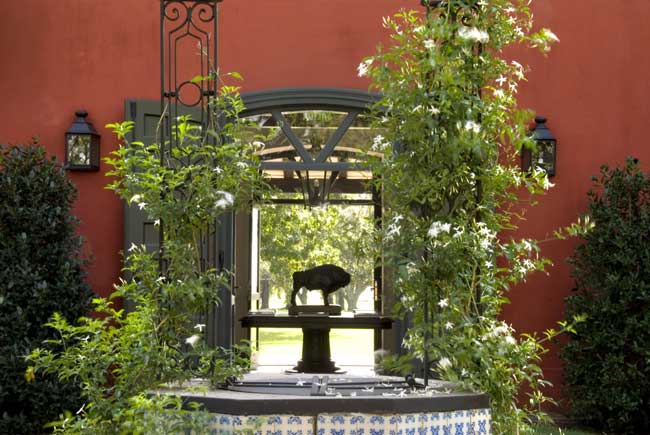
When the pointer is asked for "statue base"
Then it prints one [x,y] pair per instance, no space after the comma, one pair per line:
[328,310]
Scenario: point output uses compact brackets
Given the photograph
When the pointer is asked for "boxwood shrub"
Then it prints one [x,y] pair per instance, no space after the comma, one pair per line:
[41,272]
[608,361]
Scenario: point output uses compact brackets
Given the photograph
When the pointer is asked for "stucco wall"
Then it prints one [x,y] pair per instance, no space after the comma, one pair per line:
[58,56]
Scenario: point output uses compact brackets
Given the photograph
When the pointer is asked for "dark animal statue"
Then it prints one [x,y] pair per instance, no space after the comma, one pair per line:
[327,278]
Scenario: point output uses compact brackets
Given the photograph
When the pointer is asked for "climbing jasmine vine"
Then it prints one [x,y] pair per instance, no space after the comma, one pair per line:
[451,184]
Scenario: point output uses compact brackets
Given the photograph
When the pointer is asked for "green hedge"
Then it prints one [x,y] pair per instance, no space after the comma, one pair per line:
[608,360]
[41,272]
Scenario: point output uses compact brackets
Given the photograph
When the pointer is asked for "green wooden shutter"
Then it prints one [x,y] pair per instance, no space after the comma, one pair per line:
[140,229]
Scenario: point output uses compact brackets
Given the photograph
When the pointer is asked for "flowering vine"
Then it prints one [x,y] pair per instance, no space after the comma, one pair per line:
[451,183]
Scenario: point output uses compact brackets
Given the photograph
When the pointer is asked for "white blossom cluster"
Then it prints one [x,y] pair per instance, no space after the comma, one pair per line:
[226,200]
[379,144]
[473,34]
[394,227]
[363,67]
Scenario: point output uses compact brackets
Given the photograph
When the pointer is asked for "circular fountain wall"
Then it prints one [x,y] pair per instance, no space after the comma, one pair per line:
[302,404]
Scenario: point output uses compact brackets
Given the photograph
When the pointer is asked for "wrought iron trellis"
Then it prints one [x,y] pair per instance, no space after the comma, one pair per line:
[196,20]
[187,25]
[182,21]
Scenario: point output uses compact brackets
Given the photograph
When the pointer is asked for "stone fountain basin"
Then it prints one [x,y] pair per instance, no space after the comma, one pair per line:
[284,407]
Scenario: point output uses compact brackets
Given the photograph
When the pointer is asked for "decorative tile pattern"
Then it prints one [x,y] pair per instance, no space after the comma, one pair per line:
[471,422]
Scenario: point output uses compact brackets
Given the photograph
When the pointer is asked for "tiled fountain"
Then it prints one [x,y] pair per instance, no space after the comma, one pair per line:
[320,400]
[301,404]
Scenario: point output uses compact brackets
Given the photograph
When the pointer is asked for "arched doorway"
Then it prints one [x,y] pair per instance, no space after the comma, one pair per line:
[295,166]
[315,150]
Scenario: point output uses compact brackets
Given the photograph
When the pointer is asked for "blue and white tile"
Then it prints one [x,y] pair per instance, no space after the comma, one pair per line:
[295,425]
[221,424]
[357,422]
[376,424]
[472,422]
[335,424]
[409,424]
[484,422]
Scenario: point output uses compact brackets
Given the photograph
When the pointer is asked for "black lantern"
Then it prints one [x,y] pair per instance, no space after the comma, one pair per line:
[546,144]
[81,145]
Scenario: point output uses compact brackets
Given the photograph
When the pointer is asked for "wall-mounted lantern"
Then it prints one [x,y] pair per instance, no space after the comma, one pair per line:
[545,155]
[81,145]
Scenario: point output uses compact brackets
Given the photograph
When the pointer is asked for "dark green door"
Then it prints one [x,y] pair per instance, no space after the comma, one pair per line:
[140,229]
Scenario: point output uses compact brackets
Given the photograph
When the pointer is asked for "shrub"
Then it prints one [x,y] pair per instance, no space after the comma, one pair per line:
[122,359]
[42,272]
[608,359]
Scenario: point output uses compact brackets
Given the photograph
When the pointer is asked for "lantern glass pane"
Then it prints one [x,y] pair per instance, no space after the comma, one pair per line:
[545,156]
[79,150]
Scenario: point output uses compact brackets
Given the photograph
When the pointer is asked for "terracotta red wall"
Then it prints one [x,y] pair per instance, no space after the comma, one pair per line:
[56,57]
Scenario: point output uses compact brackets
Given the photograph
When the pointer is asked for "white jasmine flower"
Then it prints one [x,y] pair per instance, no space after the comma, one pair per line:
[464,373]
[379,143]
[411,269]
[443,303]
[444,363]
[429,44]
[242,165]
[511,340]
[549,35]
[473,34]
[472,127]
[501,80]
[393,230]
[546,184]
[364,67]
[133,247]
[200,327]
[519,69]
[434,110]
[156,222]
[227,200]
[527,245]
[437,228]
[142,205]
[449,326]
[501,330]
[498,93]
[192,340]
[217,170]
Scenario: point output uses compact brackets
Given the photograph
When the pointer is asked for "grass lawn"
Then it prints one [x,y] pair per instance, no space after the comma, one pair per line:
[283,346]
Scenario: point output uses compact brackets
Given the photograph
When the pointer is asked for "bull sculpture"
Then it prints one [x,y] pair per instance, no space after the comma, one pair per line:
[327,278]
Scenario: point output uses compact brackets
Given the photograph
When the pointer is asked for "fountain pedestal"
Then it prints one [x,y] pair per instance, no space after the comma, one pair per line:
[316,351]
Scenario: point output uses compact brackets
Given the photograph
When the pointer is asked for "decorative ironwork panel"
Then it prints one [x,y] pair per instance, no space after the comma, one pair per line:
[189,59]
